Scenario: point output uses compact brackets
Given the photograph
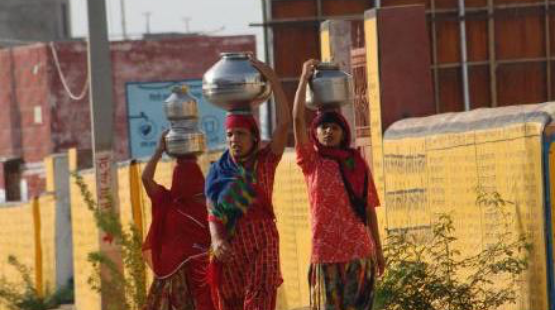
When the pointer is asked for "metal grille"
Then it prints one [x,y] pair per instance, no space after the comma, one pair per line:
[362,115]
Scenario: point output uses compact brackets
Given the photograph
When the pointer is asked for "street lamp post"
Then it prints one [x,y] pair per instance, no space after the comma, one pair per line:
[186,20]
[147,20]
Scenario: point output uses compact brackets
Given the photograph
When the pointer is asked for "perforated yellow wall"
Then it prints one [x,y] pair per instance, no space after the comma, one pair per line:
[292,212]
[443,173]
[18,238]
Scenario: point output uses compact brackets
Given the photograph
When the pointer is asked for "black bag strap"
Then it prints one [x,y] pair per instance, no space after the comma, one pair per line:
[359,205]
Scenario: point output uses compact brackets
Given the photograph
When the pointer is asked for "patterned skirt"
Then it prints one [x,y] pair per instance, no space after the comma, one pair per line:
[249,281]
[342,286]
[170,293]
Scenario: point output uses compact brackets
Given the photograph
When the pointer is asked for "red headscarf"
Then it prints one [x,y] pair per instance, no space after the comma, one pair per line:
[179,228]
[354,169]
[243,120]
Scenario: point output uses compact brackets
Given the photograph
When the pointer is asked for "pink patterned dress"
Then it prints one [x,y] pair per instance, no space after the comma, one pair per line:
[342,270]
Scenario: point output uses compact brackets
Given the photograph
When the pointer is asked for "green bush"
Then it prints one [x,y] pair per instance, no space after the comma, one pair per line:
[24,296]
[429,273]
[130,283]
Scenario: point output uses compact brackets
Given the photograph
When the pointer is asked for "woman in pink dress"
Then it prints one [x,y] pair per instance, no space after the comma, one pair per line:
[346,249]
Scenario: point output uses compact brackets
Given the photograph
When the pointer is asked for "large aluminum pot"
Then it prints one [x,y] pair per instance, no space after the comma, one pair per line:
[181,105]
[329,87]
[234,84]
[182,142]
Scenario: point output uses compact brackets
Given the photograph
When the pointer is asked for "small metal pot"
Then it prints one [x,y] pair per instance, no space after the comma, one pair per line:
[181,105]
[329,87]
[181,142]
[233,83]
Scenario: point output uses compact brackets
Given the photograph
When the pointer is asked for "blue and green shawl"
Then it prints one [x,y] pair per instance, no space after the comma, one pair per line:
[231,189]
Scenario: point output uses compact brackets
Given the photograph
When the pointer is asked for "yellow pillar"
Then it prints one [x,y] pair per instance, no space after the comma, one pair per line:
[38,247]
[137,206]
[136,198]
[49,165]
[374,98]
[73,161]
[325,44]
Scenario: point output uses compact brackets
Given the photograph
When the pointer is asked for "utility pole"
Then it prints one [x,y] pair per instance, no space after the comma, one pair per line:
[147,19]
[102,123]
[123,22]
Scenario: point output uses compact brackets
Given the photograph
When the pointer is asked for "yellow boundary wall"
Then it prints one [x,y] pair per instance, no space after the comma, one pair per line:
[512,167]
[441,174]
[27,233]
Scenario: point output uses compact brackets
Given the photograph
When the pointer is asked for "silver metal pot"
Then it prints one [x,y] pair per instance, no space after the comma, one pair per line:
[181,105]
[233,83]
[329,87]
[180,142]
[185,124]
[184,138]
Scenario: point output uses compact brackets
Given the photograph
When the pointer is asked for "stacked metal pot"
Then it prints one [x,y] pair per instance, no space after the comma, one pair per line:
[184,137]
[234,84]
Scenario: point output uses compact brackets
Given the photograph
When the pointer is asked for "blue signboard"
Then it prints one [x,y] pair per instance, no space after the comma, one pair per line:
[146,118]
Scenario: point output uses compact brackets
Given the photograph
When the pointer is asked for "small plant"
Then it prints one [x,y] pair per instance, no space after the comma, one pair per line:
[24,295]
[431,274]
[130,283]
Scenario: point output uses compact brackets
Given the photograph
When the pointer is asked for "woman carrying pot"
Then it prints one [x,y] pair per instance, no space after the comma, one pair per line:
[177,243]
[245,271]
[346,248]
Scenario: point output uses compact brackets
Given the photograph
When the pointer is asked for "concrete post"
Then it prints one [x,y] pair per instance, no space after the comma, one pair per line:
[57,167]
[102,121]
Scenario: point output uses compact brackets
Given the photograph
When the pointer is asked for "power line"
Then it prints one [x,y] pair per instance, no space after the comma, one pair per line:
[63,79]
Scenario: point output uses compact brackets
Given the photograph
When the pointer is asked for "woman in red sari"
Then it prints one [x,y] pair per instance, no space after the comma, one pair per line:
[346,250]
[245,271]
[176,247]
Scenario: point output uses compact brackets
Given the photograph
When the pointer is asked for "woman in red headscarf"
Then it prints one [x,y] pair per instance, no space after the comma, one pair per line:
[245,272]
[177,244]
[346,248]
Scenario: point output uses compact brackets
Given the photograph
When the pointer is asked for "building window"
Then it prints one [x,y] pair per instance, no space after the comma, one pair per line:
[12,179]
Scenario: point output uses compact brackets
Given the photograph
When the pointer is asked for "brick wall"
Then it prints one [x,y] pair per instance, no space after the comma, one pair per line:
[43,119]
[10,130]
[31,65]
[26,132]
[132,61]
[70,118]
[164,60]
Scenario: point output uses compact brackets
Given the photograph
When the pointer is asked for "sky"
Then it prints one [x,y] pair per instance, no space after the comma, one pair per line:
[213,17]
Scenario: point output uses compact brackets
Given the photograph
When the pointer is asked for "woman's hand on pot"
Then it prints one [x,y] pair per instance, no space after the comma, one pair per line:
[309,67]
[161,147]
[268,73]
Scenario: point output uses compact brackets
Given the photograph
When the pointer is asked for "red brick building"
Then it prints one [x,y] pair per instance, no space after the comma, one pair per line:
[39,117]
